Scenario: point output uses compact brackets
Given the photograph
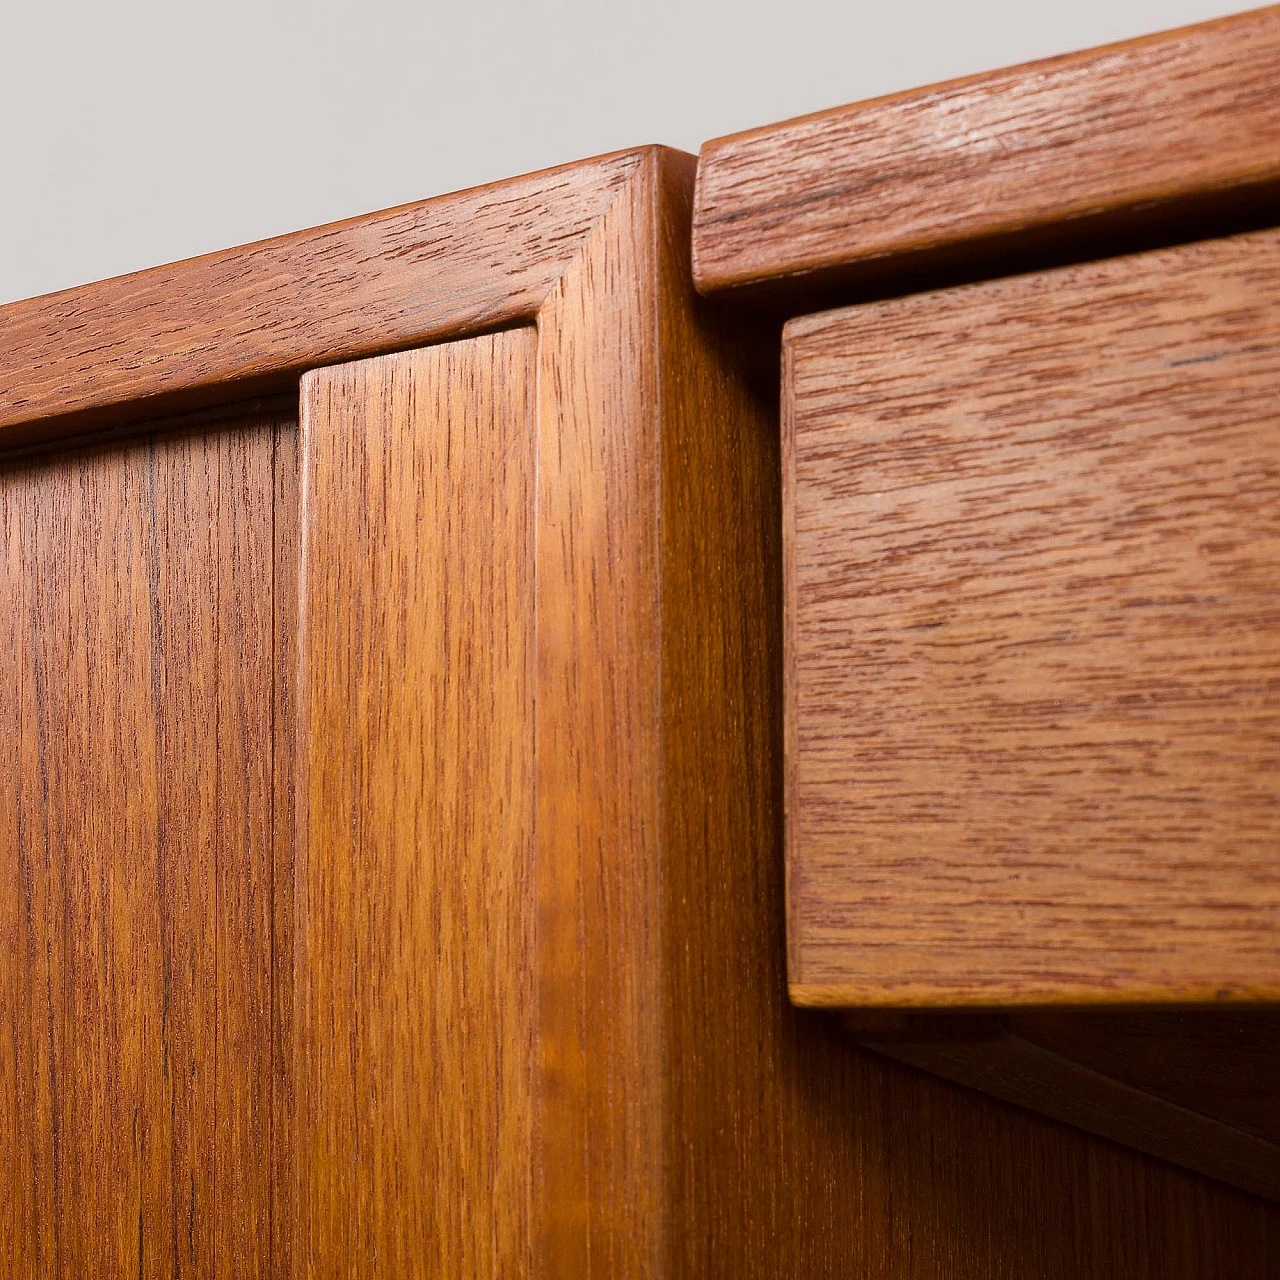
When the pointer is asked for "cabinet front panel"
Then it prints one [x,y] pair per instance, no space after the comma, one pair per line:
[138,707]
[415,992]
[1034,630]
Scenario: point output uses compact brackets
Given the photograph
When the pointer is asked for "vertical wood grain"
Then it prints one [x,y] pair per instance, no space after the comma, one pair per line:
[762,1172]
[692,1123]
[246,648]
[185,502]
[535,1021]
[1170,1083]
[287,539]
[414,996]
[600,1175]
[136,990]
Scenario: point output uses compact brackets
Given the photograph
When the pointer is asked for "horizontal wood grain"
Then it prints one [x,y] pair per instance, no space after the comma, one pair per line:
[1034,638]
[237,322]
[1074,148]
[139,690]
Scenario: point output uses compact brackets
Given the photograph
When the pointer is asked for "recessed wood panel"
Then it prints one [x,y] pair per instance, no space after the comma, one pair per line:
[139,689]
[414,993]
[1034,629]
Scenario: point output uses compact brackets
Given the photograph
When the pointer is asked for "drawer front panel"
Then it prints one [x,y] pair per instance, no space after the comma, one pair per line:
[1033,607]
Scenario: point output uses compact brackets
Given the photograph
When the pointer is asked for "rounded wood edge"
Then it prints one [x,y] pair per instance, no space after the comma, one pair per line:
[1030,994]
[745,164]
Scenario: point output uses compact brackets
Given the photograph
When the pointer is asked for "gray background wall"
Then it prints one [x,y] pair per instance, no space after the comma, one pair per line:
[139,132]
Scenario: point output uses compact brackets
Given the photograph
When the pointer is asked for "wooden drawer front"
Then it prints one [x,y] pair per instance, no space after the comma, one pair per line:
[1033,597]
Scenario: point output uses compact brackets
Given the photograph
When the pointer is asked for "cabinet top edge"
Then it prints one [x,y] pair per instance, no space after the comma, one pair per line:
[1082,147]
[246,321]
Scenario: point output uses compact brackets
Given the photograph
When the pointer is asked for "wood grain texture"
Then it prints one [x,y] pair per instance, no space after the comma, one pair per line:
[683,1119]
[138,695]
[1033,628]
[1193,1087]
[678,1134]
[691,1123]
[541,1023]
[599,1178]
[414,993]
[1219,1062]
[761,1173]
[955,1184]
[1068,149]
[183,335]
[287,537]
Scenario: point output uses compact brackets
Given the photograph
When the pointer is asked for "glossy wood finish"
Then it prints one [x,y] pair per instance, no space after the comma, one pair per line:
[138,679]
[659,1144]
[600,1183]
[678,1133]
[685,1119]
[287,536]
[415,992]
[227,325]
[1034,654]
[1074,151]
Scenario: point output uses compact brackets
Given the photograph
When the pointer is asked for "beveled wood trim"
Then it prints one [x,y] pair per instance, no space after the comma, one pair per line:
[1081,148]
[659,1144]
[177,337]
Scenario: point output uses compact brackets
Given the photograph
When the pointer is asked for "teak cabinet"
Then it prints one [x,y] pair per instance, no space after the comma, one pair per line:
[1031,519]
[452,686]
[390,696]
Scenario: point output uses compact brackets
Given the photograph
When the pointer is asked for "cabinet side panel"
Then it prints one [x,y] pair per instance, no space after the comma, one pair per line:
[768,1174]
[414,992]
[138,1046]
